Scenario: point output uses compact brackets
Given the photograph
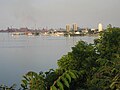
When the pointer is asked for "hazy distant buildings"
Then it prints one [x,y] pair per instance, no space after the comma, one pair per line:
[24,29]
[67,27]
[100,28]
[75,27]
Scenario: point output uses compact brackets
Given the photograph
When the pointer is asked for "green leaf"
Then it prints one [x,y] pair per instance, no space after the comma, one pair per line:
[24,82]
[68,77]
[23,86]
[53,88]
[72,75]
[76,73]
[26,78]
[65,81]
[60,85]
[116,77]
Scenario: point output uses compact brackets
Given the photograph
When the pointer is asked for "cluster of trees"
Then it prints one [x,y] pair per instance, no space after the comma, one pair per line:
[87,67]
[98,63]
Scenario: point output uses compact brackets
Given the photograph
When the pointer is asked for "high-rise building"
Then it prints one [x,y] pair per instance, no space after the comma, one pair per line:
[100,28]
[75,27]
[67,27]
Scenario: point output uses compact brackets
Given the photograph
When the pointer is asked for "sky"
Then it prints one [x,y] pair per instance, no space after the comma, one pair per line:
[58,13]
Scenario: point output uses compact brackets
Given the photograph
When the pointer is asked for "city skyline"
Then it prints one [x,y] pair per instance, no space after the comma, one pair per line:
[57,13]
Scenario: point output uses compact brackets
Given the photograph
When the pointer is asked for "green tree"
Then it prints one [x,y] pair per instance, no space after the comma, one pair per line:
[82,56]
[108,46]
[83,59]
[98,63]
[109,26]
[104,77]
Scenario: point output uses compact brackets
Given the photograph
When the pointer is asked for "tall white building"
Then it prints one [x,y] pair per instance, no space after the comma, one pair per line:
[100,28]
[67,27]
[75,27]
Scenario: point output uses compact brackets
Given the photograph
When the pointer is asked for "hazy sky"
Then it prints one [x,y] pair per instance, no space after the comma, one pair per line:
[58,13]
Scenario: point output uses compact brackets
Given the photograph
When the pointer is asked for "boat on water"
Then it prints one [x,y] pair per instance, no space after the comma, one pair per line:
[18,33]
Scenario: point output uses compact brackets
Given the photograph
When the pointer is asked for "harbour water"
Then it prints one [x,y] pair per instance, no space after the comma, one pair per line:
[20,54]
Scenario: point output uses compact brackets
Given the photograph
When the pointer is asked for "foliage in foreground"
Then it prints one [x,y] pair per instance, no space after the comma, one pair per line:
[34,81]
[64,80]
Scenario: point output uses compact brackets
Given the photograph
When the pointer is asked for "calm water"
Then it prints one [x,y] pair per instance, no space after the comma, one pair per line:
[20,54]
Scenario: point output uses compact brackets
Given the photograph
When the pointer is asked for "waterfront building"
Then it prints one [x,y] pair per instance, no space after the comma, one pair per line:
[84,30]
[75,27]
[67,27]
[100,28]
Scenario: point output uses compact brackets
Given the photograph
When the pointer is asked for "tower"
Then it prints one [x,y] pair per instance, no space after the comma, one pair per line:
[100,28]
[67,27]
[75,27]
